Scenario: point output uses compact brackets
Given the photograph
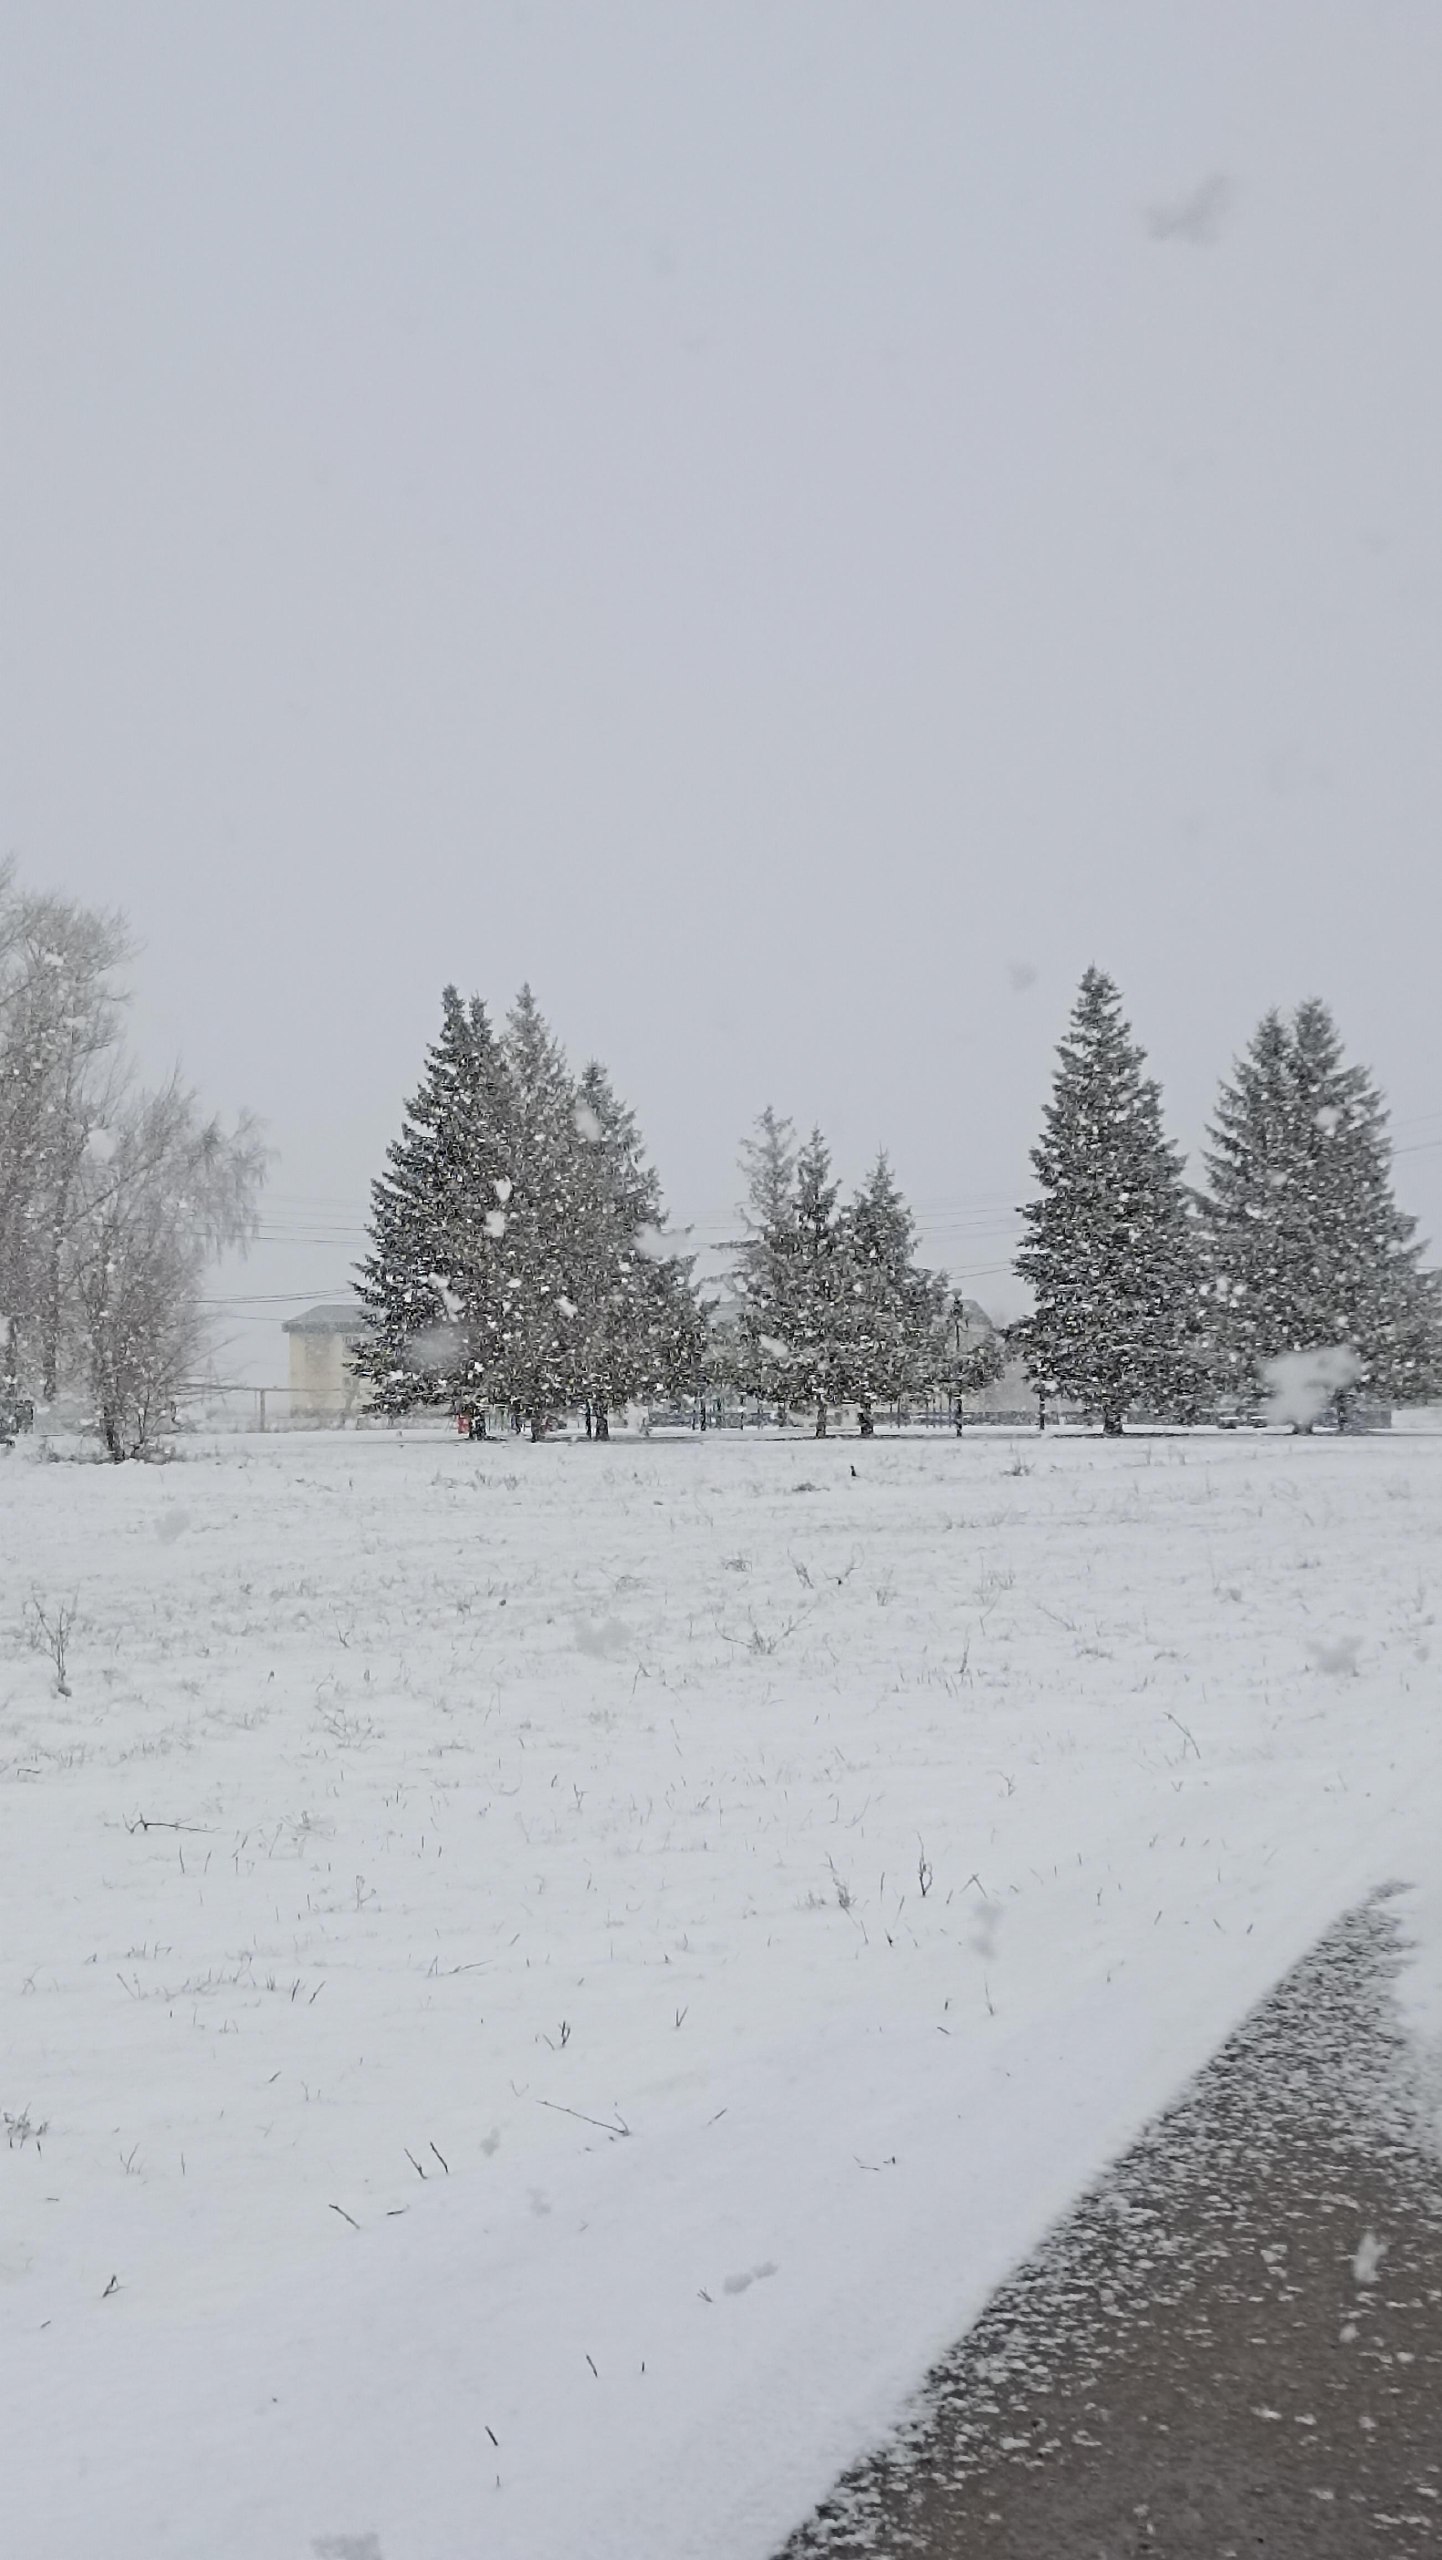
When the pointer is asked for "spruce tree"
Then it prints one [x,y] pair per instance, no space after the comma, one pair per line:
[792,1274]
[820,1312]
[1306,1247]
[427,1283]
[895,1312]
[1109,1250]
[536,1362]
[637,1317]
[765,1262]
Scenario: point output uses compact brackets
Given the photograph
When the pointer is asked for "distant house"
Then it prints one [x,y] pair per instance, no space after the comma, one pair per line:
[323,1380]
[1010,1396]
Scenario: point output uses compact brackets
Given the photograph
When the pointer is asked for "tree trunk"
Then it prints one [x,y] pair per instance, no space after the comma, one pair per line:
[820,1419]
[516,1417]
[586,1409]
[537,1422]
[50,1364]
[867,1420]
[1041,1408]
[1111,1423]
[603,1422]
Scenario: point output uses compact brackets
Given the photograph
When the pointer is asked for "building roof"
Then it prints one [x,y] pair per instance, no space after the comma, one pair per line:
[345,1318]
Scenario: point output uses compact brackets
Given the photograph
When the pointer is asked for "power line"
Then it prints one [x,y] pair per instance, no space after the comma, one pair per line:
[277,1297]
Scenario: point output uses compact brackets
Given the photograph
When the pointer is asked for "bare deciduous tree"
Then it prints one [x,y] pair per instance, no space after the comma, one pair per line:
[60,1012]
[169,1191]
[112,1200]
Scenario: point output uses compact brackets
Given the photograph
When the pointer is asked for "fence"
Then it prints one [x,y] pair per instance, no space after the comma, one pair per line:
[211,1407]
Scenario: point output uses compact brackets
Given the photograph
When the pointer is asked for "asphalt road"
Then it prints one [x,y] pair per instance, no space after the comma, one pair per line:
[1232,2347]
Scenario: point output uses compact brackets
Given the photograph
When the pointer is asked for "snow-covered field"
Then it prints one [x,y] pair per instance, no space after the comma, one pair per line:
[541,1985]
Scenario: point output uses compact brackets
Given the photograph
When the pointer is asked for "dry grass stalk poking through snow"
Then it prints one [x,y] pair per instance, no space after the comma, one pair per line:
[51,1625]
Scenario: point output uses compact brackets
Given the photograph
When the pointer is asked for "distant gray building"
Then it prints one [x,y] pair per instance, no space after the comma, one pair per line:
[1010,1396]
[324,1385]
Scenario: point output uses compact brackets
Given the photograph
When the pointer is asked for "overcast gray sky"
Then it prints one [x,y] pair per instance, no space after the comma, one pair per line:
[794,527]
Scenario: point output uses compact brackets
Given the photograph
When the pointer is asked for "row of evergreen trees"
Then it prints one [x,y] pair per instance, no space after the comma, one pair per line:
[832,1305]
[1151,1295]
[517,1255]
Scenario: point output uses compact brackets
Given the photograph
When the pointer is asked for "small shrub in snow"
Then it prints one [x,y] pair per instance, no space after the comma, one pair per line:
[51,1625]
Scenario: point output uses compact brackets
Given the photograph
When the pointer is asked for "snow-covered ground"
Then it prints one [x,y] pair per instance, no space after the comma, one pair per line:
[541,1985]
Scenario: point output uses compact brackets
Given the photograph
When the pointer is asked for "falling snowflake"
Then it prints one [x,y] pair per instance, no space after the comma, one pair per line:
[1367,2257]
